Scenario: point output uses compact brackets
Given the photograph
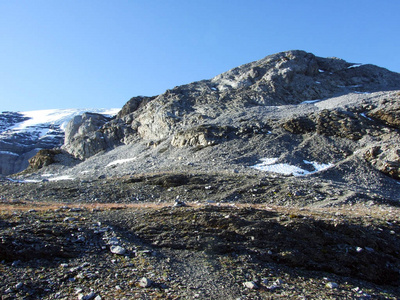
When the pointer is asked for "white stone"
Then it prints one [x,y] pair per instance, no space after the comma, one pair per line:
[332,285]
[117,250]
[145,282]
[250,285]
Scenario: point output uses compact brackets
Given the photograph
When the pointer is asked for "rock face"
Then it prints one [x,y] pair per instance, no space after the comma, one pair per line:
[78,130]
[192,113]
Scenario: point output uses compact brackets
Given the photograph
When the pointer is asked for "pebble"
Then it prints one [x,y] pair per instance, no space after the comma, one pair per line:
[76,209]
[250,285]
[332,285]
[117,250]
[179,203]
[89,296]
[145,282]
[113,241]
[19,285]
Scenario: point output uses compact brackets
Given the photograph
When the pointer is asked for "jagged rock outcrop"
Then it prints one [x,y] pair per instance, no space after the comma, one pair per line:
[385,158]
[133,105]
[43,158]
[203,135]
[344,124]
[388,112]
[83,131]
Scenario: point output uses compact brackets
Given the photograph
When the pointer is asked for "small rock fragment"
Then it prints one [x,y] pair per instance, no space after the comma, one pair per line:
[113,241]
[19,286]
[250,285]
[332,285]
[145,282]
[117,250]
[179,203]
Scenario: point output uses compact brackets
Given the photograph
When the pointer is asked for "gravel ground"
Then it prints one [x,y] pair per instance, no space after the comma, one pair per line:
[203,236]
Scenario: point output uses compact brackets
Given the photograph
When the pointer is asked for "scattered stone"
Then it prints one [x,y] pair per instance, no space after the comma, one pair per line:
[250,285]
[113,241]
[19,286]
[117,250]
[179,203]
[332,285]
[89,296]
[145,282]
[76,209]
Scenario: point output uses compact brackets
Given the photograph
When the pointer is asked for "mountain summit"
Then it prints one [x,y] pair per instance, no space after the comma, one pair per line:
[287,78]
[291,113]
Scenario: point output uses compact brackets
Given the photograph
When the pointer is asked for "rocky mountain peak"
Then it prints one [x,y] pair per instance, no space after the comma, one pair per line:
[286,78]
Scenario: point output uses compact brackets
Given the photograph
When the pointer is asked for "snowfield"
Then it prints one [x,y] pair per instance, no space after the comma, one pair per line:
[269,165]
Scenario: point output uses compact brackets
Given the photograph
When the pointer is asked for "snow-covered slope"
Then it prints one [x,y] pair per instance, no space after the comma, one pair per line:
[22,134]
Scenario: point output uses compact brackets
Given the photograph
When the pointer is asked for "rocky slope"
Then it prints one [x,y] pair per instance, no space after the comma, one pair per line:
[277,179]
[23,134]
[291,113]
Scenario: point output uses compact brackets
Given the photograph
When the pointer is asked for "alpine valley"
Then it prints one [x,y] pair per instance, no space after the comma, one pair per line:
[276,179]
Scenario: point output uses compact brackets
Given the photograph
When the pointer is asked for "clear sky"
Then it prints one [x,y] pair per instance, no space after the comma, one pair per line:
[100,53]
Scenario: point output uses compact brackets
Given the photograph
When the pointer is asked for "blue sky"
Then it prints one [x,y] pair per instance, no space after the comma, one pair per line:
[99,54]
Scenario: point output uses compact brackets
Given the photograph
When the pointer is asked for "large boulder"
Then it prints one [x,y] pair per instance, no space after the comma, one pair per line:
[82,138]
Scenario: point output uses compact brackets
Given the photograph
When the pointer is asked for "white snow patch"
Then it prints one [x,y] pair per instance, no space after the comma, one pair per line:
[120,161]
[8,153]
[57,178]
[29,181]
[269,165]
[355,66]
[317,166]
[269,161]
[310,101]
[365,116]
[64,177]
[47,175]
